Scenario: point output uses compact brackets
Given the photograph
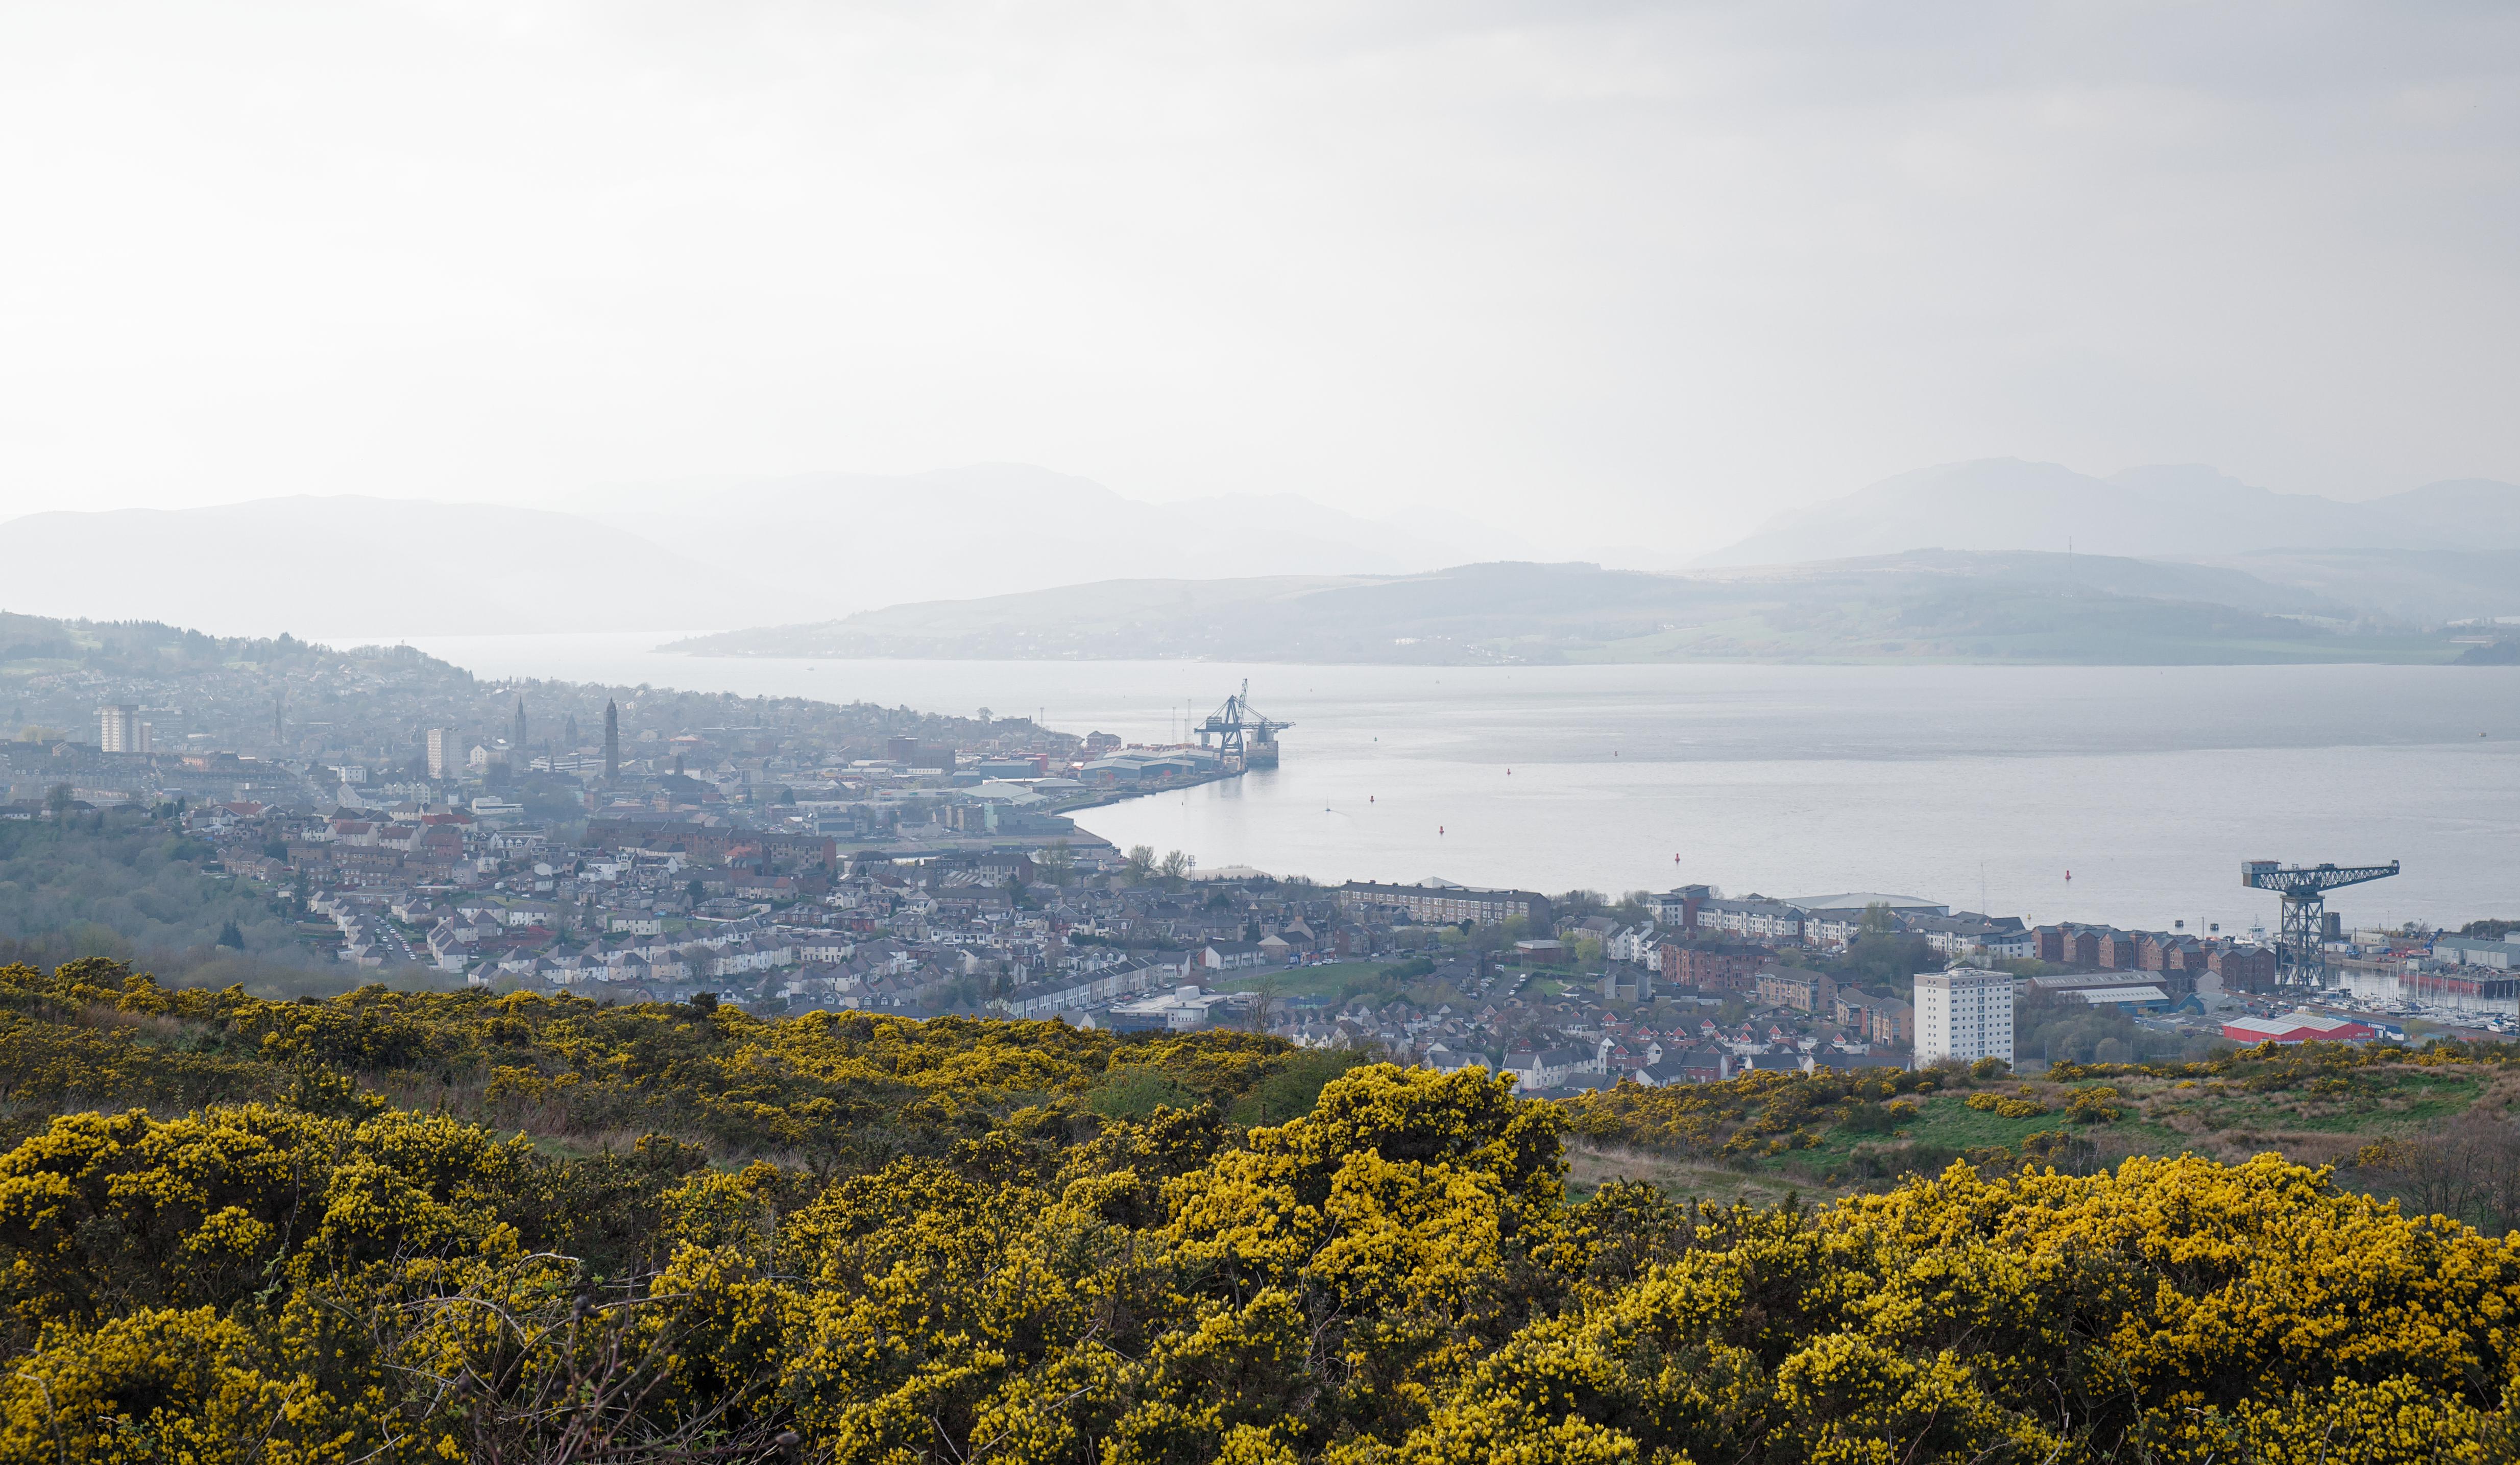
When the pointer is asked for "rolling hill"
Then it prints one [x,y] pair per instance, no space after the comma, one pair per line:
[1935,605]
[2186,512]
[872,540]
[665,557]
[352,567]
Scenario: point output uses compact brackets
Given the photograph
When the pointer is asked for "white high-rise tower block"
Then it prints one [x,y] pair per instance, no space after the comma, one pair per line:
[1964,1013]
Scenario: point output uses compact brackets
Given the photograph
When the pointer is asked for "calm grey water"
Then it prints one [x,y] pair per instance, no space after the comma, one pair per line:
[2149,784]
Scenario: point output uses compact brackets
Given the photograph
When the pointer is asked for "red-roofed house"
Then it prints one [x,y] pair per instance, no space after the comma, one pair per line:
[2298,1027]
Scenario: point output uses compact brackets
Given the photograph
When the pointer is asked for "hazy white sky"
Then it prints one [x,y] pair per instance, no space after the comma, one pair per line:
[1602,268]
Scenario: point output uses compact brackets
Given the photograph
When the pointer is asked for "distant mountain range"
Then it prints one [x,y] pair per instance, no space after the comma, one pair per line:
[1032,561]
[2185,511]
[666,558]
[352,567]
[992,528]
[1936,605]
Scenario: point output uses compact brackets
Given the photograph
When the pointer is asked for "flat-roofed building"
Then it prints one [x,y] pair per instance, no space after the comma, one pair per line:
[444,749]
[1966,1014]
[2475,951]
[118,729]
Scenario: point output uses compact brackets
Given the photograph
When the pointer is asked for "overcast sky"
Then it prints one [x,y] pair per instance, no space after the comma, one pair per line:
[1653,269]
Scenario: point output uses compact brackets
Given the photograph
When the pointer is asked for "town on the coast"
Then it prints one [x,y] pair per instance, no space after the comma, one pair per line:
[786,856]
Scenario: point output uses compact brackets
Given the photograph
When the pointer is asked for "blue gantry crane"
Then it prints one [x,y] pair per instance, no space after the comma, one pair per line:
[2300,953]
[1244,738]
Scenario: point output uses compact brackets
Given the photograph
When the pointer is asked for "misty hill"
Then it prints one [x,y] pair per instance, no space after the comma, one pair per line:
[1000,528]
[354,567]
[664,559]
[1936,605]
[2188,512]
[2427,586]
[298,704]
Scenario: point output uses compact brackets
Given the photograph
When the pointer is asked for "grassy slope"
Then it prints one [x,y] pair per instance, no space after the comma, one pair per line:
[2217,1120]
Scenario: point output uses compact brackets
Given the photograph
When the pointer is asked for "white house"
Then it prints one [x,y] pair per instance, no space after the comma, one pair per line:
[1552,1067]
[1444,1060]
[1230,956]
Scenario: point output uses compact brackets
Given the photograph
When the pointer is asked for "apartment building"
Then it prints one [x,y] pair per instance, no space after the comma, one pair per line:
[118,729]
[1964,1013]
[446,752]
[1446,903]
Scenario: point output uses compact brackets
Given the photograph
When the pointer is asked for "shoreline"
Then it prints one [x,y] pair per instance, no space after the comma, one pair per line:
[1110,796]
[1500,664]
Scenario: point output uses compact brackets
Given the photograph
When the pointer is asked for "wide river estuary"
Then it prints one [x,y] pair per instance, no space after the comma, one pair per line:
[1970,785]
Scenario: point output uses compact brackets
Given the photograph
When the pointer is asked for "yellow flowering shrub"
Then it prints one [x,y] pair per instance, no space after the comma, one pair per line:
[2007,1105]
[935,1245]
[2094,1104]
[165,1384]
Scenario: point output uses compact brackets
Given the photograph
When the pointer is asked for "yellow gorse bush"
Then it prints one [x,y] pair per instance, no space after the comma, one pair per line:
[2007,1105]
[939,1250]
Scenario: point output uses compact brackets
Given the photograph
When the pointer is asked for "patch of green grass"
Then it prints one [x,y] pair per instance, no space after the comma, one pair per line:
[2437,1096]
[2379,1102]
[1341,979]
[1943,1119]
[2141,1136]
[2225,1114]
[2382,1103]
[1946,1119]
[1837,1142]
[1303,982]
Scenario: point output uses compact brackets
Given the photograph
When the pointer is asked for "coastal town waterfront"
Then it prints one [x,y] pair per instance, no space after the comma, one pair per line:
[1989,784]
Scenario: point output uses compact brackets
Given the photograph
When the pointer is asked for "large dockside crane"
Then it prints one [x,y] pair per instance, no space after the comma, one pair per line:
[2300,953]
[1244,738]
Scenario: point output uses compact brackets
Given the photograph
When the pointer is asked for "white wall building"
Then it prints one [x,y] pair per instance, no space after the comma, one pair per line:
[2471,951]
[1964,1013]
[1634,943]
[118,729]
[442,744]
[1756,918]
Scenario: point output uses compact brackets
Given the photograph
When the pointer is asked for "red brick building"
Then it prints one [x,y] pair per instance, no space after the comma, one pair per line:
[2243,969]
[1891,1021]
[2073,946]
[1715,968]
